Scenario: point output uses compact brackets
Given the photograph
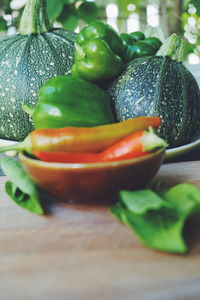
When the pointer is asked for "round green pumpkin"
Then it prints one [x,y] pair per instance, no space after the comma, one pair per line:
[160,86]
[27,61]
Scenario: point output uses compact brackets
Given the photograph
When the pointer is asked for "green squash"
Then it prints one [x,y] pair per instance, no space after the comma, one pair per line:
[160,86]
[27,61]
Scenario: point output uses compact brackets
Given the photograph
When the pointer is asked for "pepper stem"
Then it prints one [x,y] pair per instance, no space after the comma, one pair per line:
[14,147]
[25,145]
[151,142]
[34,18]
[173,47]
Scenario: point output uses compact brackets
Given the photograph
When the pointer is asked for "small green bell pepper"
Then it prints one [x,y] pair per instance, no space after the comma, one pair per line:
[141,49]
[137,35]
[154,41]
[127,39]
[99,52]
[139,46]
[71,101]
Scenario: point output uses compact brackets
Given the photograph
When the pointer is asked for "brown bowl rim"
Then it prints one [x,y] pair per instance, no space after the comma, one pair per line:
[112,164]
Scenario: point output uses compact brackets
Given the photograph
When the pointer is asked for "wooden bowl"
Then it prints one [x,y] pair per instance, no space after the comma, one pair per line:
[92,183]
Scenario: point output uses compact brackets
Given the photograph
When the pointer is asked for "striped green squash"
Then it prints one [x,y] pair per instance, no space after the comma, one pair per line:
[27,61]
[160,86]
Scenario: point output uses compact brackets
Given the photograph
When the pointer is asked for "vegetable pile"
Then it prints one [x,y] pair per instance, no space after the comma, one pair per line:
[72,119]
[101,53]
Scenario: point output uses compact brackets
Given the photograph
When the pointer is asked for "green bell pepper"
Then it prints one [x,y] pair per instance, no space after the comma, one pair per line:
[127,39]
[99,52]
[137,35]
[71,101]
[141,49]
[138,45]
[154,41]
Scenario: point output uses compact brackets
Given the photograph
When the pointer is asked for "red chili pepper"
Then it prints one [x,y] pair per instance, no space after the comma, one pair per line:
[68,157]
[135,145]
[128,147]
[81,139]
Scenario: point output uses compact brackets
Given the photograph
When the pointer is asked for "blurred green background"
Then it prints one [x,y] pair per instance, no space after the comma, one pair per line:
[154,17]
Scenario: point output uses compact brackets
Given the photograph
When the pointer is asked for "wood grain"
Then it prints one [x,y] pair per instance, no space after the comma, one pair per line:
[83,253]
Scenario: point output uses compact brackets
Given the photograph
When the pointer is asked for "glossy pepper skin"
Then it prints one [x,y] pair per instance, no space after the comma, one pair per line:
[135,145]
[99,52]
[154,41]
[71,101]
[139,46]
[74,139]
[128,147]
[137,35]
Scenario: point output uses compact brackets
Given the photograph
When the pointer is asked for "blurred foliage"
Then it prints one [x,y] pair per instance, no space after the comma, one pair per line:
[123,6]
[66,12]
[190,21]
[72,13]
[3,24]
[196,4]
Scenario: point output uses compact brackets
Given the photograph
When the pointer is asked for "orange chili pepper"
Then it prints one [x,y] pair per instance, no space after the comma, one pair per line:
[84,139]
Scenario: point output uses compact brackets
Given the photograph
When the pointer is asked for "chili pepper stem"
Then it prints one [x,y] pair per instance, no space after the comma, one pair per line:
[151,141]
[14,147]
[21,146]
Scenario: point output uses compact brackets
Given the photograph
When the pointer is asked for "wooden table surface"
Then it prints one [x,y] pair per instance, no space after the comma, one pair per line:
[83,253]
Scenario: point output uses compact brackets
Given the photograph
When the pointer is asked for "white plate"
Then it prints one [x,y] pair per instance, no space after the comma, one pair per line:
[178,151]
[170,153]
[4,143]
